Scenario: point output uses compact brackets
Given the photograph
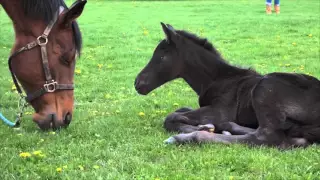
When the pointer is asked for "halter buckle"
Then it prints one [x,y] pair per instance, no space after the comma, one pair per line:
[42,40]
[50,87]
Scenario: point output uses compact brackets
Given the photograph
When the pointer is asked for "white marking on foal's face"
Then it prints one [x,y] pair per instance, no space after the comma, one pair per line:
[61,9]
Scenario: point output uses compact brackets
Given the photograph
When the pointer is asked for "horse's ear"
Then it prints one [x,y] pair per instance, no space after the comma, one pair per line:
[74,12]
[171,35]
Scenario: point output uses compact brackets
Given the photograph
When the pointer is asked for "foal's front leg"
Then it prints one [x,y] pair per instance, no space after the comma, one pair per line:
[202,119]
[208,118]
[186,120]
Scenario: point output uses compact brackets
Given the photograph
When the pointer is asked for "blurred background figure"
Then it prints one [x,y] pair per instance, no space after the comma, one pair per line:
[276,6]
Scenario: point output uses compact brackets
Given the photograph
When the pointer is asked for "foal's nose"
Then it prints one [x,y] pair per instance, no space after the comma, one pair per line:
[140,81]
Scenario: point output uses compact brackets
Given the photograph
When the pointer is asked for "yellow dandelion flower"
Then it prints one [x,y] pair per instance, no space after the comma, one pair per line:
[77,71]
[52,132]
[81,167]
[37,153]
[175,104]
[294,43]
[310,35]
[231,178]
[107,96]
[142,114]
[100,66]
[13,87]
[163,111]
[25,155]
[96,167]
[153,94]
[28,113]
[145,32]
[59,169]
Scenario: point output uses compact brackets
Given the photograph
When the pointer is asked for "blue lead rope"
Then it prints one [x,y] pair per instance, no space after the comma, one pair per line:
[7,122]
[21,105]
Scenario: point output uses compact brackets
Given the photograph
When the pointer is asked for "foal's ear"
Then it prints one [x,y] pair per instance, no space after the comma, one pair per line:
[74,12]
[171,35]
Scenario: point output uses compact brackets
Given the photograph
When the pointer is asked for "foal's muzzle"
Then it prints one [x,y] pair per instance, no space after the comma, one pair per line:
[141,86]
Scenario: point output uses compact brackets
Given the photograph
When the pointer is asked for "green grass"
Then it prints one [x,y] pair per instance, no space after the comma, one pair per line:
[108,137]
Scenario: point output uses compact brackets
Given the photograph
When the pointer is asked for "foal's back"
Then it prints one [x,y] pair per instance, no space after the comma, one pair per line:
[297,94]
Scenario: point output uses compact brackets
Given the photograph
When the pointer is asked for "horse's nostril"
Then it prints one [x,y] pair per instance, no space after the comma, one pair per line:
[53,121]
[68,118]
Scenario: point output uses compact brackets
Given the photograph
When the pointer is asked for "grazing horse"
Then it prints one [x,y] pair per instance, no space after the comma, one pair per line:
[47,42]
[276,109]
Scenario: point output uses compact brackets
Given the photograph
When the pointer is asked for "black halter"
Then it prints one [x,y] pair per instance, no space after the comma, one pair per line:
[50,85]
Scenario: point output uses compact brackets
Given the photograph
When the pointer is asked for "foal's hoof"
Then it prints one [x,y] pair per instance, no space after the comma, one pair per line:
[170,140]
[226,133]
[207,127]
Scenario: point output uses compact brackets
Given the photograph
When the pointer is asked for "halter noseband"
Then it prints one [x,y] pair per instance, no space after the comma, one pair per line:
[51,85]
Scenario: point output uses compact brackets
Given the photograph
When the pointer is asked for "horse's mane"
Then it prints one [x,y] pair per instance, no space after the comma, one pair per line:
[45,10]
[42,9]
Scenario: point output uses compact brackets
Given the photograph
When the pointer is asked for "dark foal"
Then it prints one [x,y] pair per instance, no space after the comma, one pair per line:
[276,109]
[47,42]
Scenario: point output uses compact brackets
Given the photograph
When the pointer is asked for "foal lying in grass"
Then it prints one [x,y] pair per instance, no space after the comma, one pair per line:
[276,109]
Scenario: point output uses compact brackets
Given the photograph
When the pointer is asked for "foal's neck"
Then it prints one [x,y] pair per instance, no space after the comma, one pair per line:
[206,67]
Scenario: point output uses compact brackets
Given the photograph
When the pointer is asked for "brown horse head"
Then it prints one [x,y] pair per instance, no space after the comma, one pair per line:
[51,59]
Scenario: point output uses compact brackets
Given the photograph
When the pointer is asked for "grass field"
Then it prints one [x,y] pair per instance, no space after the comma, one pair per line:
[108,139]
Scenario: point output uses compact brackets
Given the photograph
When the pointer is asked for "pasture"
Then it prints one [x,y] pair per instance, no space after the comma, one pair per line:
[118,134]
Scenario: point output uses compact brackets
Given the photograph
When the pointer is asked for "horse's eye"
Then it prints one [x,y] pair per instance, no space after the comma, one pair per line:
[65,60]
[162,57]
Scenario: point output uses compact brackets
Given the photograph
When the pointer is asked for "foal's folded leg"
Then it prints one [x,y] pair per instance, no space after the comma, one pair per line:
[256,138]
[234,128]
[187,121]
[206,137]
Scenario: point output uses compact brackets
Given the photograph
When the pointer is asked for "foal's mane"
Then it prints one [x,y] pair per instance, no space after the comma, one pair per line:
[223,64]
[45,10]
[200,41]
